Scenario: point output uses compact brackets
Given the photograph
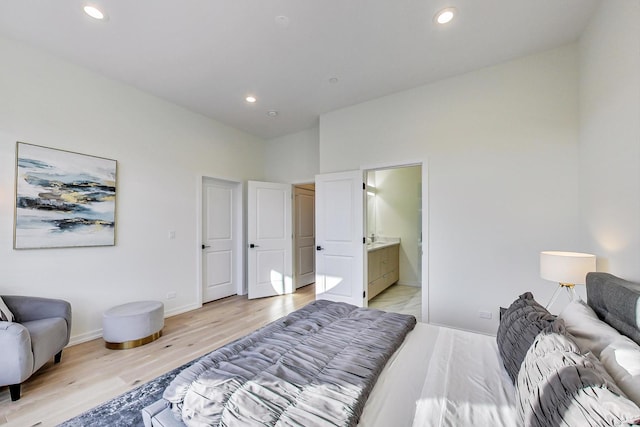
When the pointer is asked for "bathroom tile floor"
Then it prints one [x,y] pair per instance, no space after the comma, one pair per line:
[400,299]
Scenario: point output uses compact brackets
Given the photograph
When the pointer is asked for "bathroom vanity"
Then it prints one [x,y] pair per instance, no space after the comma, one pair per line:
[383,265]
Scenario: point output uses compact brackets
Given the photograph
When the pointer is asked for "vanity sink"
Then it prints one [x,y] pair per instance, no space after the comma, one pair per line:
[375,245]
[380,244]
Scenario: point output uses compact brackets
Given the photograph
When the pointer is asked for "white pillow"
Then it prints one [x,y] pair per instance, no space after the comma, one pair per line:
[5,314]
[621,359]
[590,333]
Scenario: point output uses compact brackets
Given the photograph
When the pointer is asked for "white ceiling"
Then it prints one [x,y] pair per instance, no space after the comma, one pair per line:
[207,55]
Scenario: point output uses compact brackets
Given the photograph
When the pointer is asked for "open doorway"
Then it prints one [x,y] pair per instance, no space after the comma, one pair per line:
[304,236]
[394,239]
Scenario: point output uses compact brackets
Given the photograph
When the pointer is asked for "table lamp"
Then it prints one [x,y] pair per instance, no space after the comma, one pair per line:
[566,268]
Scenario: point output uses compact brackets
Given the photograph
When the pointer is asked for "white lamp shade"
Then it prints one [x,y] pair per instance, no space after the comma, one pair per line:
[566,267]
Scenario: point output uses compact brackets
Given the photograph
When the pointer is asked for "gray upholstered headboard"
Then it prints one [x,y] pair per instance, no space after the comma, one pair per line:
[616,301]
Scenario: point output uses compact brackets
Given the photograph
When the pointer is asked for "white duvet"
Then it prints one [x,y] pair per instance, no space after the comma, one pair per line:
[442,377]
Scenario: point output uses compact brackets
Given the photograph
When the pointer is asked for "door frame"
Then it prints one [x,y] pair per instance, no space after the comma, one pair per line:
[424,259]
[239,224]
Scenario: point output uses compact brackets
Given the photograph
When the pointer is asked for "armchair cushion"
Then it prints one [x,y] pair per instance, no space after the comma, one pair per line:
[5,314]
[48,337]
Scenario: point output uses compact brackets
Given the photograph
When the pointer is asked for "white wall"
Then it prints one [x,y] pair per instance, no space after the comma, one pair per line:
[501,146]
[292,158]
[398,215]
[610,136]
[162,152]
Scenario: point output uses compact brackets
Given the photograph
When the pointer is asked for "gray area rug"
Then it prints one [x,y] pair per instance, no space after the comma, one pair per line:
[124,410]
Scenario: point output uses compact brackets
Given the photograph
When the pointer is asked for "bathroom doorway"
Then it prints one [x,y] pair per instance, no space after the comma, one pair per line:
[394,239]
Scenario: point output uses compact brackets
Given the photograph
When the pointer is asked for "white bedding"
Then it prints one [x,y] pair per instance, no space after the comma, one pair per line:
[442,377]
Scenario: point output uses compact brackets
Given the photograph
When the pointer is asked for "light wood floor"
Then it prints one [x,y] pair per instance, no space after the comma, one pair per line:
[89,374]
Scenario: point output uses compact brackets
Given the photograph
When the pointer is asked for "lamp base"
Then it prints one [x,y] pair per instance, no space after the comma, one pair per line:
[569,287]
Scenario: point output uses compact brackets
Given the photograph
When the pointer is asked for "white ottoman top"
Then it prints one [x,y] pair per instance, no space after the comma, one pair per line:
[133,308]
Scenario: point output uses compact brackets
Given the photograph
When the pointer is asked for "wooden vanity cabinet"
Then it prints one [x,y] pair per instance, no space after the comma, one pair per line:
[383,268]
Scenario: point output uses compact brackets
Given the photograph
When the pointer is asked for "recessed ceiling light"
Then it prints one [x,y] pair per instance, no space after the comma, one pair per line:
[333,80]
[272,113]
[250,99]
[94,12]
[445,15]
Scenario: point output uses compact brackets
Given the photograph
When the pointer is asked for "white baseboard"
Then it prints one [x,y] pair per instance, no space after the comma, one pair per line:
[180,310]
[87,336]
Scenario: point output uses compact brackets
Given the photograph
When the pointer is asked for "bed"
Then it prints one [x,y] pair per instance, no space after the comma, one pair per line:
[541,370]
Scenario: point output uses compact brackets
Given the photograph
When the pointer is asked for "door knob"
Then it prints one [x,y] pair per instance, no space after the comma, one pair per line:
[251,245]
[319,248]
[205,246]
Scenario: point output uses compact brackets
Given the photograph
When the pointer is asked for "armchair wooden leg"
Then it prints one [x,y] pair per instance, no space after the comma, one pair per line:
[14,389]
[57,357]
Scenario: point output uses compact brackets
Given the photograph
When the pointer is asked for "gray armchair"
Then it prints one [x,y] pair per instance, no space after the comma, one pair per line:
[41,330]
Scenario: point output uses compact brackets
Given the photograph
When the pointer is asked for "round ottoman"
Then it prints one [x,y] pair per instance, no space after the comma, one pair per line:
[133,324]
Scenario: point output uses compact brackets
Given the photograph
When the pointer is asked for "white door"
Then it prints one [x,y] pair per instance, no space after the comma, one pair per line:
[269,255]
[339,237]
[304,237]
[220,240]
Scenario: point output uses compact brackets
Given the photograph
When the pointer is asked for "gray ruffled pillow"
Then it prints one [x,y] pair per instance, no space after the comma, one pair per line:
[519,326]
[558,386]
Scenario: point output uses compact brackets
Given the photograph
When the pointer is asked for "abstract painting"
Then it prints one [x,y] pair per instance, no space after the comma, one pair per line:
[63,199]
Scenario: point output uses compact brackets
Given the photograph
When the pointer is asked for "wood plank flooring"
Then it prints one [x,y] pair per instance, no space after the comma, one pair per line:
[90,374]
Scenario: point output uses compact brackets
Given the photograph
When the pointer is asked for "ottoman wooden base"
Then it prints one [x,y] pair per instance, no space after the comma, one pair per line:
[133,343]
